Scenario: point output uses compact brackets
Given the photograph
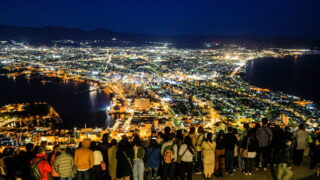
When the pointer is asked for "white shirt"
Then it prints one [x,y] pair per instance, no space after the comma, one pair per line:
[187,156]
[97,157]
[169,143]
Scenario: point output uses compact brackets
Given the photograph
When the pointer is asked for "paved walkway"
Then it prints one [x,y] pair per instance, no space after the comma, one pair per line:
[300,173]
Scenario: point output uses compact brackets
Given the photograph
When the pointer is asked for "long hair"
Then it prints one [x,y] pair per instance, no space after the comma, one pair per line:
[113,143]
[124,143]
[200,130]
[209,137]
[192,130]
[179,135]
[188,142]
[136,141]
[221,134]
[105,138]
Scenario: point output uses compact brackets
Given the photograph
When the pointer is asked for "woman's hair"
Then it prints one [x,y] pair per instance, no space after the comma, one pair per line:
[188,142]
[302,126]
[136,140]
[160,134]
[113,142]
[179,134]
[200,129]
[250,133]
[209,137]
[105,138]
[221,133]
[8,151]
[93,146]
[246,126]
[235,131]
[153,143]
[35,149]
[167,130]
[257,126]
[192,130]
[124,143]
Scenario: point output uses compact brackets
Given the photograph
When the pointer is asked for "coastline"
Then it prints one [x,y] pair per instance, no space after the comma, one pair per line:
[290,92]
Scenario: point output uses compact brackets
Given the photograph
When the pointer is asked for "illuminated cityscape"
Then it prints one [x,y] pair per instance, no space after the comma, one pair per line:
[158,85]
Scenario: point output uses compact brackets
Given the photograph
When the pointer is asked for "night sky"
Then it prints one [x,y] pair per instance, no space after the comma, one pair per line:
[171,17]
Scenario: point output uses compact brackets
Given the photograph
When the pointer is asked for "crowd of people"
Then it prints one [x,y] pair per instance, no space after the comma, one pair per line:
[168,154]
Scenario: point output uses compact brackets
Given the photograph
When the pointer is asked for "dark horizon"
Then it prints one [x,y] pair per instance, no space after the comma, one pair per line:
[160,35]
[290,18]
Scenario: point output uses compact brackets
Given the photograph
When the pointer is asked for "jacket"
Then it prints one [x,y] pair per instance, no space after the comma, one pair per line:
[139,152]
[231,141]
[221,142]
[44,166]
[83,158]
[153,157]
[124,162]
[301,136]
[112,161]
[253,145]
[64,165]
[264,136]
[283,156]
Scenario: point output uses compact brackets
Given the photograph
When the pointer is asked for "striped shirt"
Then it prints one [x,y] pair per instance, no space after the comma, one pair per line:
[64,165]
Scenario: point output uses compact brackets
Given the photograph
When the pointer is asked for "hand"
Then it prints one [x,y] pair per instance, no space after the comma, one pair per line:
[290,168]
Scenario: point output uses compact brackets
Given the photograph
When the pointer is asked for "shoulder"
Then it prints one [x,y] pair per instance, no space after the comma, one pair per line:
[183,146]
[234,136]
[98,153]
[164,144]
[43,161]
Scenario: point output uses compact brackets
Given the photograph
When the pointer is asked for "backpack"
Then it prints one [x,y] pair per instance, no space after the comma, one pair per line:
[35,171]
[168,154]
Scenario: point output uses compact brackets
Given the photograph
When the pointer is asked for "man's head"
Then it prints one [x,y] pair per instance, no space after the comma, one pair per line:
[302,126]
[56,147]
[264,121]
[29,147]
[167,130]
[86,143]
[230,129]
[172,136]
[105,138]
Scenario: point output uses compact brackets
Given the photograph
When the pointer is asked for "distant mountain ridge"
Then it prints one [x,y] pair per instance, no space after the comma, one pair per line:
[45,34]
[40,35]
